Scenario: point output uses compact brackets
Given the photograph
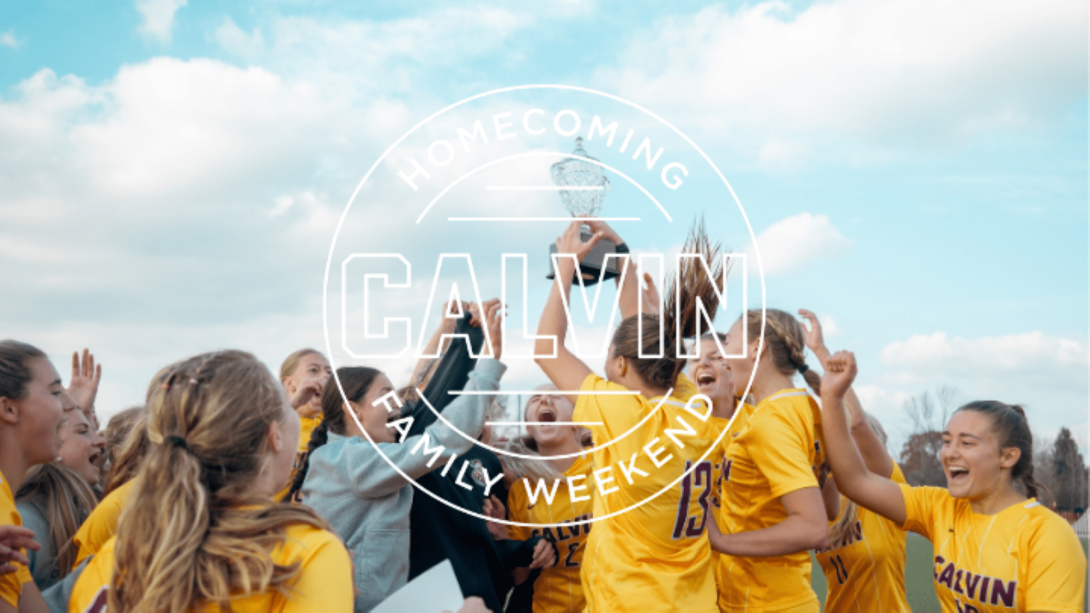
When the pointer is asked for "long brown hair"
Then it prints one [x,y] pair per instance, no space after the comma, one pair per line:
[355,380]
[786,343]
[65,499]
[15,371]
[1012,429]
[641,334]
[207,426]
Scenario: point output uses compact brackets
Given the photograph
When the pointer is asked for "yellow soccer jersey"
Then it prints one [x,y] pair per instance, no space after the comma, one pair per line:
[1024,558]
[779,450]
[324,582]
[865,570]
[11,584]
[557,589]
[656,556]
[101,524]
[306,427]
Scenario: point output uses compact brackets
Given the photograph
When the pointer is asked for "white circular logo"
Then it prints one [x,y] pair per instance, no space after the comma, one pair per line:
[465,207]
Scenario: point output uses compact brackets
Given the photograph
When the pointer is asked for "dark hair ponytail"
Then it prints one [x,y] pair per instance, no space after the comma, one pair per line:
[1012,429]
[15,373]
[355,380]
[640,334]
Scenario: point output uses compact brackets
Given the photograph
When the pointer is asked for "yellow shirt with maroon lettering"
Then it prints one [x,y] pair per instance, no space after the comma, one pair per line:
[719,465]
[1024,558]
[557,589]
[656,556]
[101,524]
[779,450]
[11,584]
[865,569]
[324,582]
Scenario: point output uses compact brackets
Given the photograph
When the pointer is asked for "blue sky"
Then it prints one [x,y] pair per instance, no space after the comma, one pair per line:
[171,174]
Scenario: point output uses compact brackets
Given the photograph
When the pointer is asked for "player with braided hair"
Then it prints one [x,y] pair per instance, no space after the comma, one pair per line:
[995,549]
[772,509]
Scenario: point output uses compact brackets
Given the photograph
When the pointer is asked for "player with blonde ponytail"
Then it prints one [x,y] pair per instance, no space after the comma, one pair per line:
[200,530]
[995,549]
[772,510]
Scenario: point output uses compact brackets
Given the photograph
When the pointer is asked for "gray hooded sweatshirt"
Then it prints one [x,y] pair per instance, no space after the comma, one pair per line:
[367,502]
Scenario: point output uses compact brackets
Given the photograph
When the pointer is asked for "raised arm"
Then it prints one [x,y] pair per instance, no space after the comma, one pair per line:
[628,284]
[875,455]
[565,370]
[454,432]
[875,492]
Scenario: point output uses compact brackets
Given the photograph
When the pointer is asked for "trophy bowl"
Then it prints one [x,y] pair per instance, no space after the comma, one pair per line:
[583,188]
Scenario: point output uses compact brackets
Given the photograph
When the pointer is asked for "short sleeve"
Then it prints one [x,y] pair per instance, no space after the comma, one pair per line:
[11,586]
[781,451]
[325,579]
[921,504]
[611,414]
[517,511]
[898,475]
[1055,568]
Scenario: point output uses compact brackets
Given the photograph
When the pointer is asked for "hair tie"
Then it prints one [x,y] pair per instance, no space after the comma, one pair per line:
[803,368]
[177,441]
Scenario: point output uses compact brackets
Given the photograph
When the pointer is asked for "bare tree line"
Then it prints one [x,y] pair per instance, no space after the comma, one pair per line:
[1058,464]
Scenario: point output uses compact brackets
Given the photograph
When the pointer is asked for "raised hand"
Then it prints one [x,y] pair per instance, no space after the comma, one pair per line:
[597,226]
[306,392]
[649,296]
[815,340]
[840,371]
[83,387]
[544,554]
[571,242]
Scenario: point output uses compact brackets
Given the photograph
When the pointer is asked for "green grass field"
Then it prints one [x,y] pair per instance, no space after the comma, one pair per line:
[919,582]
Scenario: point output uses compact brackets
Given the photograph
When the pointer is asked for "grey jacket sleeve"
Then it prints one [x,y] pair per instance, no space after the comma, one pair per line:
[41,561]
[372,476]
[57,595]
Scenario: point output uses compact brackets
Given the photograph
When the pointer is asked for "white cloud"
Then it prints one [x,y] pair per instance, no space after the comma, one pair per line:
[158,18]
[1046,374]
[1023,357]
[874,73]
[794,242]
[829,328]
[8,39]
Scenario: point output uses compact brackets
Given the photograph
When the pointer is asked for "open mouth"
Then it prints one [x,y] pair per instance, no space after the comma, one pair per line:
[705,378]
[956,474]
[94,457]
[393,416]
[546,416]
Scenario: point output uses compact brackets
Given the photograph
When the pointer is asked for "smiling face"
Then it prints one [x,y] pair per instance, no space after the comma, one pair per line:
[41,412]
[711,373]
[971,457]
[373,417]
[82,447]
[546,409]
[312,366]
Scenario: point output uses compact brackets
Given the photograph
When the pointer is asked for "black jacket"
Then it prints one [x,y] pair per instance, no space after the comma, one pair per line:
[438,532]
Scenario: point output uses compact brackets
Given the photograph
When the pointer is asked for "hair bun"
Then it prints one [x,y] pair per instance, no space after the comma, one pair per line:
[1018,409]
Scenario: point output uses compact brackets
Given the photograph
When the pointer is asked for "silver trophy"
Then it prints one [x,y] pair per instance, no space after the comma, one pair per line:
[588,188]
